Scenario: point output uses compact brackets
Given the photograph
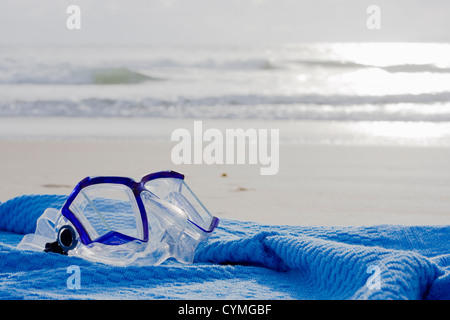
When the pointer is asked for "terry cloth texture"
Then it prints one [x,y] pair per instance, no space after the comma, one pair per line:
[242,260]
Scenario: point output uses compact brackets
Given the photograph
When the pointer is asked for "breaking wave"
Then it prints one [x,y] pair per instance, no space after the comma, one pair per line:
[423,107]
[72,76]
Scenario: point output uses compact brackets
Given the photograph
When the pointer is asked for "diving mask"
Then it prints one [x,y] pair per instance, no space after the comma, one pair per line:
[119,221]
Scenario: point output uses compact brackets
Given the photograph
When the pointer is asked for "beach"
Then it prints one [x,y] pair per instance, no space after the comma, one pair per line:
[318,182]
[362,129]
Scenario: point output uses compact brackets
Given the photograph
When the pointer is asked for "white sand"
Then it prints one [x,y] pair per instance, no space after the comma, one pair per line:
[316,184]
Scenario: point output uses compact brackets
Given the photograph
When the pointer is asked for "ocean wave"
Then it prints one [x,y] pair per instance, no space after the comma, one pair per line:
[425,107]
[231,64]
[328,63]
[138,72]
[310,99]
[276,64]
[406,68]
[73,76]
[413,68]
[119,76]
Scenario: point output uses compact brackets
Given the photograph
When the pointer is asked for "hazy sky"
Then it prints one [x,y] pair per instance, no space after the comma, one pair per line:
[222,21]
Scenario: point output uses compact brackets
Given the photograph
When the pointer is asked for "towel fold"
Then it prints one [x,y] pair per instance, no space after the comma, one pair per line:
[242,260]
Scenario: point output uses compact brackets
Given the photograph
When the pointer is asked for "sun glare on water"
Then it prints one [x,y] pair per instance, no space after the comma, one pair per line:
[389,54]
[401,70]
[394,68]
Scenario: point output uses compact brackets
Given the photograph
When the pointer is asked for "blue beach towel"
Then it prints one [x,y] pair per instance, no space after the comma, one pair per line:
[242,260]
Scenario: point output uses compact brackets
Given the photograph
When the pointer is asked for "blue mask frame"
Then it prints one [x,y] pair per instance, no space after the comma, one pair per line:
[114,237]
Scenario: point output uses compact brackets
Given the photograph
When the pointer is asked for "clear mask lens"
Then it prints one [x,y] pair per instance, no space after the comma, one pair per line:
[106,210]
[177,192]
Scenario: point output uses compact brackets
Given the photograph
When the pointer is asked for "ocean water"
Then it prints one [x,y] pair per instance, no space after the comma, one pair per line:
[378,84]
